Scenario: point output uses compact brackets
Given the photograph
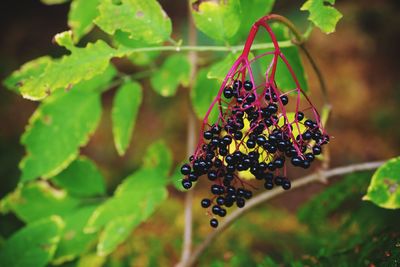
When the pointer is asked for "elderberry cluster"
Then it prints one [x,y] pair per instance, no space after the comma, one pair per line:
[254,134]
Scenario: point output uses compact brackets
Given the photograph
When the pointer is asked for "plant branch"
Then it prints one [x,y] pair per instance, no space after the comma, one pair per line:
[191,143]
[320,176]
[204,48]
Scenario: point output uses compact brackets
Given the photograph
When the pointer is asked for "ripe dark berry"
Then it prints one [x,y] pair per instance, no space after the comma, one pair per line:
[216,189]
[269,185]
[286,184]
[299,116]
[309,123]
[228,92]
[185,169]
[215,129]
[248,194]
[261,140]
[279,162]
[251,98]
[237,84]
[240,202]
[216,209]
[227,140]
[309,156]
[222,212]
[238,135]
[278,180]
[284,99]
[186,184]
[296,161]
[193,177]
[317,150]
[217,163]
[251,143]
[212,175]
[220,201]
[205,203]
[214,223]
[207,135]
[248,85]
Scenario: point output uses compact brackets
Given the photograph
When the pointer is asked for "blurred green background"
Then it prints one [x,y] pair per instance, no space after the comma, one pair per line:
[315,225]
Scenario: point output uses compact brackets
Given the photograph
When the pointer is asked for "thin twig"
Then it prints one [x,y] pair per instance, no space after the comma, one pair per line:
[203,48]
[188,227]
[321,176]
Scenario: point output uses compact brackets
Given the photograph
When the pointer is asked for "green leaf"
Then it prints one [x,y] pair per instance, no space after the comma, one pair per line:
[219,20]
[145,21]
[322,14]
[35,200]
[56,131]
[81,178]
[158,156]
[74,241]
[254,10]
[29,70]
[82,64]
[53,2]
[203,93]
[133,202]
[316,211]
[140,58]
[124,112]
[283,76]
[384,189]
[174,71]
[221,68]
[116,232]
[81,16]
[34,245]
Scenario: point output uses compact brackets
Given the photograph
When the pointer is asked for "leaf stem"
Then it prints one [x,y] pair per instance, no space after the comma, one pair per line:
[321,176]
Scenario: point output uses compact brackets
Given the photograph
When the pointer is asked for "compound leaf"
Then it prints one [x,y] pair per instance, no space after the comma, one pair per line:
[254,10]
[82,64]
[34,245]
[29,70]
[124,112]
[35,200]
[145,21]
[203,93]
[384,189]
[81,178]
[81,16]
[174,71]
[56,130]
[74,241]
[158,156]
[322,14]
[219,20]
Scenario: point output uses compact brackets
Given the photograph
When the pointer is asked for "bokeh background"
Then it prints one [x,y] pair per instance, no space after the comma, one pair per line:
[360,62]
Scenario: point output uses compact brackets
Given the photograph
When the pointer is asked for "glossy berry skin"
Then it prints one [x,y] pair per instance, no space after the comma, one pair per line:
[214,223]
[286,184]
[240,202]
[186,184]
[207,135]
[185,169]
[228,92]
[317,150]
[284,99]
[299,116]
[248,85]
[205,203]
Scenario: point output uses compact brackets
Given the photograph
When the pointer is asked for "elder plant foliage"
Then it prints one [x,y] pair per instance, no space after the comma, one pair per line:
[257,120]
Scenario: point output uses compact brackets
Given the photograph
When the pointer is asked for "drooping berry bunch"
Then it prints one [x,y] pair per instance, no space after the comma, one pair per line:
[253,135]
